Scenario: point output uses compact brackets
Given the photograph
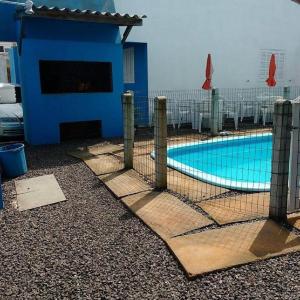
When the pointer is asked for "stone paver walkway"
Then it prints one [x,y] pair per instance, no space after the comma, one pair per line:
[165,214]
[37,192]
[232,246]
[173,220]
[124,183]
[237,208]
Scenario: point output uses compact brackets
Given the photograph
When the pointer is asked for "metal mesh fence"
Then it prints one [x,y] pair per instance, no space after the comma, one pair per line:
[295,92]
[228,175]
[144,137]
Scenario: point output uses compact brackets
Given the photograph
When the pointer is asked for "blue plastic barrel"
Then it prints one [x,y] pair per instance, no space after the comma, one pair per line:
[13,160]
[1,197]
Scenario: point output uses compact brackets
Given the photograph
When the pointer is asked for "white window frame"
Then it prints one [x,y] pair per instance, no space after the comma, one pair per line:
[128,65]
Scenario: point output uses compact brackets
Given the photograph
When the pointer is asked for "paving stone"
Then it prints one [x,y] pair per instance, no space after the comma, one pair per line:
[143,149]
[237,208]
[37,192]
[294,220]
[191,188]
[81,154]
[119,154]
[231,246]
[104,164]
[165,214]
[144,165]
[124,183]
[95,150]
[104,149]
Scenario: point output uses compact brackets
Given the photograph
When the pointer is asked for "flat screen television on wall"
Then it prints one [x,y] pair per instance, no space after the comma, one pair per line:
[75,77]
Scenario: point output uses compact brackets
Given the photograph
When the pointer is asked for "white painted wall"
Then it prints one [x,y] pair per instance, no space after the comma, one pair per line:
[180,34]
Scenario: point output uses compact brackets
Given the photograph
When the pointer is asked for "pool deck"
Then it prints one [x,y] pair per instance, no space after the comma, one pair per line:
[192,235]
[223,205]
[214,200]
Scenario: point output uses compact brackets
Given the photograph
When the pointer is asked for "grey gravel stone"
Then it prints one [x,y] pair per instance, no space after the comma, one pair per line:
[91,247]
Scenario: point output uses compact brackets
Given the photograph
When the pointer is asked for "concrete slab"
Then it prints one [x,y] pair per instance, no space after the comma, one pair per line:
[37,192]
[191,188]
[294,220]
[104,149]
[95,150]
[81,154]
[165,214]
[143,149]
[104,164]
[144,165]
[237,208]
[119,154]
[236,245]
[124,183]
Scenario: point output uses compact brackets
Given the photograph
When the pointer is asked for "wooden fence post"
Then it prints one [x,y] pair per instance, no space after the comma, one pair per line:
[160,142]
[128,115]
[280,160]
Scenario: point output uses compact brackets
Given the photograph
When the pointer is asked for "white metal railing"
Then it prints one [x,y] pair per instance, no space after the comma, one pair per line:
[194,106]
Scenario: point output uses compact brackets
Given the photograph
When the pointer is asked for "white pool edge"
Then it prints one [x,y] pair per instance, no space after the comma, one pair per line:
[212,179]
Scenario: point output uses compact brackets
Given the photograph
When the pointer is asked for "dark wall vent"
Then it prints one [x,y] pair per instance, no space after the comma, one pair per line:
[80,130]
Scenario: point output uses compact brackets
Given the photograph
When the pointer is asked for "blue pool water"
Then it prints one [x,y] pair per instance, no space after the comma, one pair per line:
[239,163]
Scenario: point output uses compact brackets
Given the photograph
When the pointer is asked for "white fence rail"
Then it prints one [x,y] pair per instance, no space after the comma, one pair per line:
[194,106]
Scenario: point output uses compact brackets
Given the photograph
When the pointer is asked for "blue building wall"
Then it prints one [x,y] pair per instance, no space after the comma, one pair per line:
[65,40]
[8,26]
[10,29]
[45,39]
[140,86]
[14,65]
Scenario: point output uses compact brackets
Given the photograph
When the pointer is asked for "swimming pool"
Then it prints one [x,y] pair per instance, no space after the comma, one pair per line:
[238,163]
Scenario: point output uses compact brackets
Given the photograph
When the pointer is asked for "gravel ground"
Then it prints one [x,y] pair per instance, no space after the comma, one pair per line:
[91,247]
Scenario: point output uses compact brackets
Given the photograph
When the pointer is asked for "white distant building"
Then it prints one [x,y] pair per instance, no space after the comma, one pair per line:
[240,35]
[4,62]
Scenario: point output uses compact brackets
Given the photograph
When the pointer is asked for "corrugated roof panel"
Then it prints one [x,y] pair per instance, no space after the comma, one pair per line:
[88,15]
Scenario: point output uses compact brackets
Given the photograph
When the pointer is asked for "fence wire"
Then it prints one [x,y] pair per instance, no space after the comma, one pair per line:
[227,176]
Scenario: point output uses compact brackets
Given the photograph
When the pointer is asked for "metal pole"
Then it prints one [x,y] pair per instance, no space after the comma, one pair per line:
[287,93]
[160,142]
[214,119]
[293,201]
[280,160]
[128,115]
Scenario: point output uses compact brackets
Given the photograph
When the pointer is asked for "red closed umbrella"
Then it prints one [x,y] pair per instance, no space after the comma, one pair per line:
[209,71]
[271,81]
